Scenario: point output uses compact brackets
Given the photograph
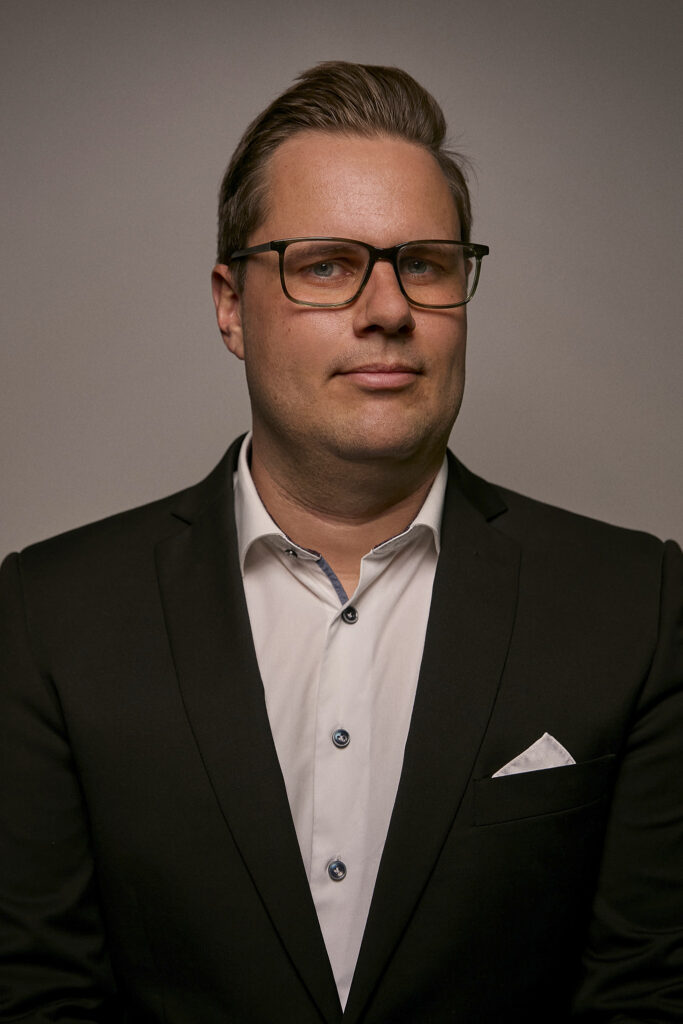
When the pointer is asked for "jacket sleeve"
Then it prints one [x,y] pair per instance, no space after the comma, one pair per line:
[53,960]
[633,963]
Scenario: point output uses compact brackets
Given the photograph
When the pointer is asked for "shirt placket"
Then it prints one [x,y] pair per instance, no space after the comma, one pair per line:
[341,784]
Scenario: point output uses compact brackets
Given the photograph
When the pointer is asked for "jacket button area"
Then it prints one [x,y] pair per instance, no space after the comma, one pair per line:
[336,869]
[341,738]
[350,615]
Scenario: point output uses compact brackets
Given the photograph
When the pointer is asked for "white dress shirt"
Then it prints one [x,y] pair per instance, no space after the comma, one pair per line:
[339,675]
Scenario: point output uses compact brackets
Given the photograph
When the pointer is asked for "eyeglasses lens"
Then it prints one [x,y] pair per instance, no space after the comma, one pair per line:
[436,273]
[324,272]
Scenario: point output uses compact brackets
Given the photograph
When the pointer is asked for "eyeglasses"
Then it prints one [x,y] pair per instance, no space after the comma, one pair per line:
[332,272]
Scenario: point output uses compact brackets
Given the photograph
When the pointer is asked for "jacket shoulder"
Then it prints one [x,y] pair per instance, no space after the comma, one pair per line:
[119,539]
[517,513]
[554,540]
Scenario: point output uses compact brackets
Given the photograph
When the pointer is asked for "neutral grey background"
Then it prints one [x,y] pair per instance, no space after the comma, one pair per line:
[117,121]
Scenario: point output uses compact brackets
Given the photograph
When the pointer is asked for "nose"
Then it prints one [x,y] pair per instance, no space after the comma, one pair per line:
[382,306]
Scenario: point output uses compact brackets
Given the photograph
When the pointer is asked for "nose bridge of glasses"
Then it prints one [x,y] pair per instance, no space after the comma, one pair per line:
[389,255]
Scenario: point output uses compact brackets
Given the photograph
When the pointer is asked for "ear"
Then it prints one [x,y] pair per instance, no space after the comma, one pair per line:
[228,308]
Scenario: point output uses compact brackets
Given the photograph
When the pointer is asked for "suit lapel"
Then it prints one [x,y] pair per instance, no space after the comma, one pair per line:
[468,634]
[210,635]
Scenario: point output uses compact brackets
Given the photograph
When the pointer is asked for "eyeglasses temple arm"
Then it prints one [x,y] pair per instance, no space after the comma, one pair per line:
[252,250]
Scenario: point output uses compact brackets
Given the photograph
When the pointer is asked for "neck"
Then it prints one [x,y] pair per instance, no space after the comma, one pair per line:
[342,510]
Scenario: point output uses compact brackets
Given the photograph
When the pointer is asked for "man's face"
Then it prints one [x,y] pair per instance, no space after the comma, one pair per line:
[373,380]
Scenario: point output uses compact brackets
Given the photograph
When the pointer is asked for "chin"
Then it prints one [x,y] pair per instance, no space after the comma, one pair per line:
[374,447]
[412,434]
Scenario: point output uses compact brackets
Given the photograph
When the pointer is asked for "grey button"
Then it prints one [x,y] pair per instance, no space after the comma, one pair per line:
[291,552]
[336,869]
[341,738]
[350,615]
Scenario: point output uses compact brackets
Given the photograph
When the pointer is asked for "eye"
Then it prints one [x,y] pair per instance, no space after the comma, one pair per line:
[418,267]
[323,269]
[415,266]
[332,268]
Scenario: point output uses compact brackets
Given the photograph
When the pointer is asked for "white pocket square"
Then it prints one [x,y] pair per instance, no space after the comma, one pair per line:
[546,752]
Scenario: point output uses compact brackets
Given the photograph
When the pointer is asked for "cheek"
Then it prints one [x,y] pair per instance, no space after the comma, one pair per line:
[451,374]
[304,346]
[279,368]
[449,347]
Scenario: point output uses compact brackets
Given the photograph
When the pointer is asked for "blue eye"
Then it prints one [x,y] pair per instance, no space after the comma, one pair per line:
[323,269]
[416,267]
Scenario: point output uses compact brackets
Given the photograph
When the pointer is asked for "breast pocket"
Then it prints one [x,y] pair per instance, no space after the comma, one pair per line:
[548,791]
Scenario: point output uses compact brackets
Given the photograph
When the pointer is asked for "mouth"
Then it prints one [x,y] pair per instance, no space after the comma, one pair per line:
[382,376]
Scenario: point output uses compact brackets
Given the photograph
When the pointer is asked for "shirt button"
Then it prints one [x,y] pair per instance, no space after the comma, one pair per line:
[350,615]
[291,552]
[341,738]
[336,869]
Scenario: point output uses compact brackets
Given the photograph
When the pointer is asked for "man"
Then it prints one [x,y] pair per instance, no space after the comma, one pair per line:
[343,727]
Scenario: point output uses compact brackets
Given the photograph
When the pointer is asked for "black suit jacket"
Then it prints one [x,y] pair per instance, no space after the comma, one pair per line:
[149,867]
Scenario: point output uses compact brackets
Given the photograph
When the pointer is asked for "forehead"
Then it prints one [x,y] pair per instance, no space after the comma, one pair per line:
[381,190]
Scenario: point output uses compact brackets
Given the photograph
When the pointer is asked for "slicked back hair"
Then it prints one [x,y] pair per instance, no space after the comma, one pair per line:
[342,98]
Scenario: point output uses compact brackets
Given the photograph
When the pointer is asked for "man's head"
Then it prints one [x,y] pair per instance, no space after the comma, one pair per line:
[350,152]
[335,97]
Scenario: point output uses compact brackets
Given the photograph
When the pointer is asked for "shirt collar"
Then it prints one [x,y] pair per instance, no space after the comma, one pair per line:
[428,518]
[254,523]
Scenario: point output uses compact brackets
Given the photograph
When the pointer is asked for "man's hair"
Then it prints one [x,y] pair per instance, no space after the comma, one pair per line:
[339,97]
